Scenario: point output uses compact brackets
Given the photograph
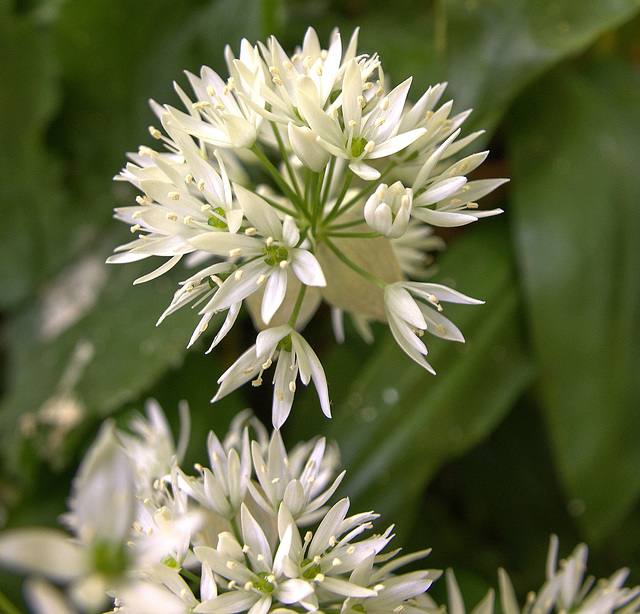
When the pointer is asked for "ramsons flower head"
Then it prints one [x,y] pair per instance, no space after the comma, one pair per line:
[296,179]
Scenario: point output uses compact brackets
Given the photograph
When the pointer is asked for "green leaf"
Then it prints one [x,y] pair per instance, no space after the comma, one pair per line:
[397,424]
[492,50]
[32,214]
[577,222]
[87,348]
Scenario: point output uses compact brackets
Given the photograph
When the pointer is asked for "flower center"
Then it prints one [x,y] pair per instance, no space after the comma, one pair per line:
[218,220]
[263,584]
[275,254]
[109,559]
[357,146]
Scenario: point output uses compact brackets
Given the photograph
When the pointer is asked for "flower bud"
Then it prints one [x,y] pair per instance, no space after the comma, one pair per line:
[388,209]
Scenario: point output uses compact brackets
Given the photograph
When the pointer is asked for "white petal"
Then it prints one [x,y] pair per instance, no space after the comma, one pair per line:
[42,551]
[317,372]
[399,301]
[260,214]
[168,265]
[346,589]
[292,591]
[442,293]
[228,603]
[440,191]
[282,391]
[364,171]
[43,598]
[255,538]
[274,293]
[307,268]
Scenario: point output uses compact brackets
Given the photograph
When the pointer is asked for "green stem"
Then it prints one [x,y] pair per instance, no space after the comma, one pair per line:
[297,306]
[354,266]
[282,184]
[285,157]
[280,207]
[328,180]
[190,575]
[359,235]
[345,225]
[336,208]
[7,607]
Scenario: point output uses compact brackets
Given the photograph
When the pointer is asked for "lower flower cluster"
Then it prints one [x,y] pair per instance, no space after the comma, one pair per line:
[251,532]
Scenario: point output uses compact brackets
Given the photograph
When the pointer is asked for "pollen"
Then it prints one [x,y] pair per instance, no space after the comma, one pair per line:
[257,382]
[201,185]
[284,264]
[251,231]
[232,565]
[336,562]
[143,200]
[362,103]
[188,178]
[235,252]
[136,215]
[277,80]
[248,586]
[267,363]
[211,91]
[369,146]
[275,480]
[351,550]
[188,219]
[196,106]
[154,132]
[292,386]
[174,195]
[261,280]
[472,205]
[238,274]
[274,70]
[379,122]
[279,395]
[269,241]
[135,228]
[206,207]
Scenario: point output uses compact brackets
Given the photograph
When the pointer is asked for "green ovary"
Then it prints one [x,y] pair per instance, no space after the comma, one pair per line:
[216,221]
[274,255]
[357,146]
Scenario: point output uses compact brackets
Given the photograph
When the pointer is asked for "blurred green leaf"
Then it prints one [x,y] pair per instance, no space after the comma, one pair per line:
[577,221]
[492,50]
[32,206]
[398,424]
[85,349]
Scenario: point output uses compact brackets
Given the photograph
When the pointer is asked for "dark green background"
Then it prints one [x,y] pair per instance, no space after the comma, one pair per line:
[531,428]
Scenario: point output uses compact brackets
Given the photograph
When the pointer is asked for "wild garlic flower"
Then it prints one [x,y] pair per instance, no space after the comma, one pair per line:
[565,590]
[354,179]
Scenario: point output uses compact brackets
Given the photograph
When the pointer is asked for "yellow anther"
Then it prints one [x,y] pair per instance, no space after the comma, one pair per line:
[219,107]
[201,185]
[172,216]
[211,91]
[135,228]
[188,219]
[174,195]
[333,540]
[284,264]
[248,586]
[362,103]
[260,557]
[472,205]
[274,70]
[261,280]
[235,252]
[143,237]
[143,200]
[277,80]
[257,382]
[154,132]
[292,386]
[384,104]
[232,565]
[275,480]
[247,370]
[369,146]
[279,395]
[336,562]
[238,274]
[206,207]
[319,70]
[440,329]
[196,106]
[267,363]
[188,178]
[378,587]
[379,122]
[136,215]
[251,231]
[203,326]
[269,241]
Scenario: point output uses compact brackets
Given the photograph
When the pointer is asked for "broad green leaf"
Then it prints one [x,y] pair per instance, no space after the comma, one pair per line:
[32,206]
[494,49]
[88,347]
[575,158]
[398,424]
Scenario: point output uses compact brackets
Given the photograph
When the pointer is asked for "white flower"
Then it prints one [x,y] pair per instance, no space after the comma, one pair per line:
[271,249]
[388,209]
[298,485]
[295,356]
[255,573]
[360,135]
[102,505]
[414,307]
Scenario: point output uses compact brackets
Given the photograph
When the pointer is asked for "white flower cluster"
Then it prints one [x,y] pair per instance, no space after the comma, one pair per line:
[565,590]
[250,533]
[303,178]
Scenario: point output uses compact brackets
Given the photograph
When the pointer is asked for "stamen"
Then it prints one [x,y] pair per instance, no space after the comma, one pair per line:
[251,231]
[235,252]
[174,195]
[238,274]
[206,207]
[172,216]
[261,280]
[155,133]
[135,228]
